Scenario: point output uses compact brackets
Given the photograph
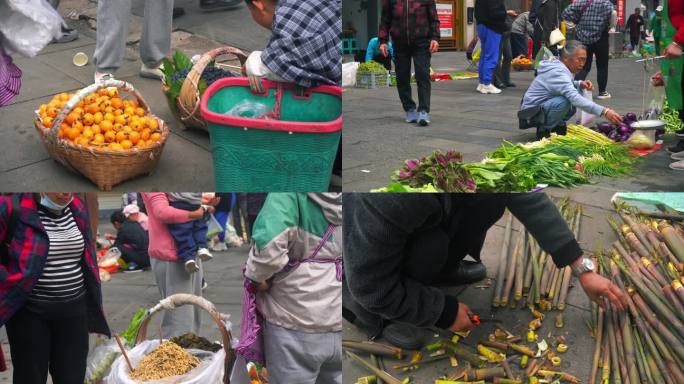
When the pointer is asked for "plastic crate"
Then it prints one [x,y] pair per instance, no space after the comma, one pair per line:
[294,153]
[372,80]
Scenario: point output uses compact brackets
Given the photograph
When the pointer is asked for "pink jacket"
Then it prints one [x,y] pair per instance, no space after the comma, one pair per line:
[160,213]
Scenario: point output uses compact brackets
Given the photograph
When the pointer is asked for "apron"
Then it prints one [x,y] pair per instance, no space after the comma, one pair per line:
[671,68]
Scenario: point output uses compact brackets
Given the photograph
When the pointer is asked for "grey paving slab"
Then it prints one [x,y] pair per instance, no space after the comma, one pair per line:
[40,79]
[578,358]
[82,41]
[21,144]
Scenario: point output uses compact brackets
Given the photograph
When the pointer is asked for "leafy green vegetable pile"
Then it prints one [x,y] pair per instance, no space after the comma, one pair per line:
[561,161]
[372,66]
[671,117]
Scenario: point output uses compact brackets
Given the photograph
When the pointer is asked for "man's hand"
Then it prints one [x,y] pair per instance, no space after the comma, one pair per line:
[434,46]
[657,80]
[586,84]
[672,51]
[598,288]
[383,50]
[612,116]
[263,286]
[462,322]
[512,13]
[213,201]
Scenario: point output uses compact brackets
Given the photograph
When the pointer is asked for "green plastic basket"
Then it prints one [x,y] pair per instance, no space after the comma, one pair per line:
[294,153]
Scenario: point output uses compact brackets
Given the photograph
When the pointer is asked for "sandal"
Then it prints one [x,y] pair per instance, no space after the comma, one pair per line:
[677,165]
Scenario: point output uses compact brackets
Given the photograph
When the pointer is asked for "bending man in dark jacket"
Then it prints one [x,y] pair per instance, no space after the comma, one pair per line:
[399,247]
[131,240]
[414,28]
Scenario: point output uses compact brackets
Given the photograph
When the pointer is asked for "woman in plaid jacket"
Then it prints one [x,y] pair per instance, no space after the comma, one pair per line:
[50,293]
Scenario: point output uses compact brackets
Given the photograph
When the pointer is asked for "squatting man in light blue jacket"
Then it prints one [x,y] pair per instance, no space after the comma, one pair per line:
[556,91]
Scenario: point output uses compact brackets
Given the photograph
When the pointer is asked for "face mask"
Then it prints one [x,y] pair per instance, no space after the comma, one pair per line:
[47,203]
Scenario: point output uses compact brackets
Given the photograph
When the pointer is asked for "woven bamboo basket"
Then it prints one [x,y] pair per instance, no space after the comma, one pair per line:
[522,67]
[103,166]
[186,107]
[180,299]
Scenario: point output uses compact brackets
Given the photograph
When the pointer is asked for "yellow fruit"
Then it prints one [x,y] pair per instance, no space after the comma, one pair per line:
[152,123]
[99,139]
[107,125]
[88,119]
[129,110]
[110,136]
[140,112]
[134,137]
[126,144]
[88,134]
[109,117]
[145,134]
[72,134]
[96,129]
[155,136]
[48,121]
[120,136]
[115,146]
[98,117]
[121,119]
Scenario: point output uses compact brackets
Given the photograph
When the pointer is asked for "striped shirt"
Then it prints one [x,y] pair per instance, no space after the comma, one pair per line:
[62,278]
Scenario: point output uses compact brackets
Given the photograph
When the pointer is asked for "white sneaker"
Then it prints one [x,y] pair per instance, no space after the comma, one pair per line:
[191,266]
[603,95]
[102,76]
[204,254]
[151,73]
[479,88]
[223,247]
[490,88]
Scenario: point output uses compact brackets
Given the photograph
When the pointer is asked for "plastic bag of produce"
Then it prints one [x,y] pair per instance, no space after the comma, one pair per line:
[27,26]
[213,227]
[349,74]
[210,369]
[100,360]
[638,140]
[543,54]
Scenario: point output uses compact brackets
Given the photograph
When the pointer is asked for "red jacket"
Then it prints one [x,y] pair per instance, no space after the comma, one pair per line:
[675,11]
[27,253]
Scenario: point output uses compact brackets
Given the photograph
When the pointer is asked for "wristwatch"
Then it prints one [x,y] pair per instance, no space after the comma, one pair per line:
[586,266]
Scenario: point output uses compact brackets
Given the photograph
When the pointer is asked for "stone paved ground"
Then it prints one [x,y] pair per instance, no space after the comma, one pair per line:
[377,141]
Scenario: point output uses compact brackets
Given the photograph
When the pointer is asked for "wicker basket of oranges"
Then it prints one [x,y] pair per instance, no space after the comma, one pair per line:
[102,134]
[522,63]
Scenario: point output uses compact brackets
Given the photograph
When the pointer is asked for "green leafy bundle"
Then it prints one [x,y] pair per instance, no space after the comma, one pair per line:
[372,67]
[180,64]
[671,117]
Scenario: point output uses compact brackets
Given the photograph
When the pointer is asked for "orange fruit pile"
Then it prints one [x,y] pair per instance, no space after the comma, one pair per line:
[103,119]
[521,60]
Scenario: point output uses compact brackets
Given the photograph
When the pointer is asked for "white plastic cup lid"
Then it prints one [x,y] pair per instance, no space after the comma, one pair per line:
[80,59]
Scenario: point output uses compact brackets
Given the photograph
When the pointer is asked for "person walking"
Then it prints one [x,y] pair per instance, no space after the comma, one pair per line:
[294,280]
[502,78]
[112,30]
[225,205]
[635,23]
[490,16]
[50,293]
[655,24]
[414,29]
[169,272]
[593,19]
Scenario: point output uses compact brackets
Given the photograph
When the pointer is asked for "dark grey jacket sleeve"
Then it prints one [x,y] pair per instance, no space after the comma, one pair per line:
[542,219]
[376,229]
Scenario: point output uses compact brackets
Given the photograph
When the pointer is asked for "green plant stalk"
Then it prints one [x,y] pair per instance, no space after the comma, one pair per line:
[520,269]
[674,300]
[667,254]
[536,271]
[511,271]
[634,225]
[462,353]
[547,274]
[553,283]
[642,365]
[614,358]
[529,267]
[375,361]
[503,261]
[605,371]
[374,348]
[380,374]
[653,356]
[657,324]
[628,342]
[675,372]
[673,240]
[621,237]
[597,348]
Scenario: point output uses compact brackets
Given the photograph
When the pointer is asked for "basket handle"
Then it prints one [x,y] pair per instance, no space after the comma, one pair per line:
[80,95]
[193,77]
[180,299]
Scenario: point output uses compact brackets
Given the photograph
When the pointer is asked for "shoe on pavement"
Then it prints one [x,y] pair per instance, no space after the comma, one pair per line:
[467,272]
[404,336]
[411,116]
[561,129]
[510,85]
[479,88]
[132,267]
[68,35]
[423,118]
[677,148]
[541,134]
[204,254]
[603,95]
[151,73]
[677,156]
[218,5]
[489,88]
[191,266]
[102,76]
[677,165]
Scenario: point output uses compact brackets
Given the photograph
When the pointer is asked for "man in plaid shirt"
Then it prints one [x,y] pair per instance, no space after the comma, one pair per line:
[593,19]
[305,46]
[414,29]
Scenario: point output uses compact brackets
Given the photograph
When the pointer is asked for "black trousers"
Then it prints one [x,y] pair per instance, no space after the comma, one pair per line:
[48,342]
[600,49]
[503,70]
[518,44]
[634,41]
[419,53]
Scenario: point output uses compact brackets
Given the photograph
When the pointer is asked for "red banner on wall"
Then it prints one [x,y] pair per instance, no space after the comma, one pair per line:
[445,14]
[621,12]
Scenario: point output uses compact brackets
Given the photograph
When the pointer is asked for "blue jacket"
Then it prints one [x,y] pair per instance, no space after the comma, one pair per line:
[555,79]
[374,49]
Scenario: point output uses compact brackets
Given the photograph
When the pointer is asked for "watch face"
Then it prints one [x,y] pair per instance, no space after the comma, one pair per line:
[588,264]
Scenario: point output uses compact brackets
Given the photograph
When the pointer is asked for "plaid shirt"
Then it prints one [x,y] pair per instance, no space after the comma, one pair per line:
[27,253]
[305,46]
[408,20]
[593,22]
